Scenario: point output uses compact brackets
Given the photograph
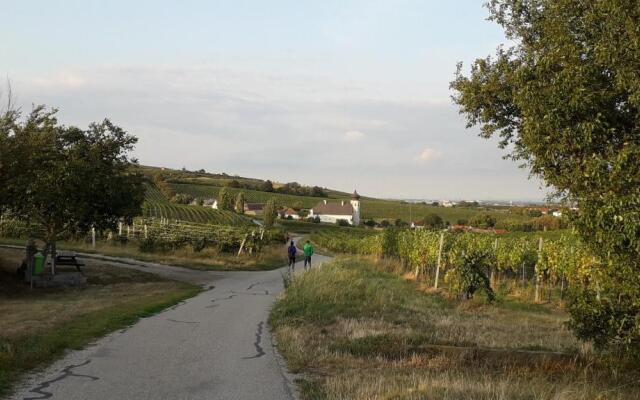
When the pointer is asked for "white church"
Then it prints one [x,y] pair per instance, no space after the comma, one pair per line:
[332,212]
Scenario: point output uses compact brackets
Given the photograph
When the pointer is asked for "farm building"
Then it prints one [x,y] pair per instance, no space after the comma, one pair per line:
[213,203]
[332,212]
[254,208]
[289,213]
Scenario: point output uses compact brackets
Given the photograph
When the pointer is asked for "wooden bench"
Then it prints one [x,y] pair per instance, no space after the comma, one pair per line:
[68,259]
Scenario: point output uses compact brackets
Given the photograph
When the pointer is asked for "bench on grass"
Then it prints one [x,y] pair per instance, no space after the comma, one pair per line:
[67,258]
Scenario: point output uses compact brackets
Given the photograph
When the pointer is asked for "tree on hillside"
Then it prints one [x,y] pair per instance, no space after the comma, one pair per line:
[239,206]
[565,99]
[67,180]
[482,221]
[225,200]
[233,184]
[267,186]
[433,221]
[270,213]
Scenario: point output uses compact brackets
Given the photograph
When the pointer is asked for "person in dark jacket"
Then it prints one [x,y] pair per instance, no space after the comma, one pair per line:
[292,250]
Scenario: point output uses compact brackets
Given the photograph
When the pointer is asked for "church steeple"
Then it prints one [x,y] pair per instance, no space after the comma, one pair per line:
[355,203]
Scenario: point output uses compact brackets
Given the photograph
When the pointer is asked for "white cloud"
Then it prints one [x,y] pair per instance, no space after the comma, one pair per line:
[61,80]
[427,154]
[353,136]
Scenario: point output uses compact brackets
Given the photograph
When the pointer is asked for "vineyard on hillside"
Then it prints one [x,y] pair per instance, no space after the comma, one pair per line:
[371,208]
[152,234]
[158,207]
[252,196]
[549,264]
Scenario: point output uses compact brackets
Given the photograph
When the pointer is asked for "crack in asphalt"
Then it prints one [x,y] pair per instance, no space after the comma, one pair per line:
[183,322]
[259,351]
[231,296]
[252,285]
[67,372]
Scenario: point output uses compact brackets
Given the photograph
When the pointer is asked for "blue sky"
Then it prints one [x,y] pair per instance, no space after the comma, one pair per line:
[343,94]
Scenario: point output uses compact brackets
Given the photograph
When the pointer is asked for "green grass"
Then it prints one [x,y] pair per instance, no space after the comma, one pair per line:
[269,258]
[356,329]
[38,326]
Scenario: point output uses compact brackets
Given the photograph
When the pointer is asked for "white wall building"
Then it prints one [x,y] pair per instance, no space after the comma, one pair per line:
[334,211]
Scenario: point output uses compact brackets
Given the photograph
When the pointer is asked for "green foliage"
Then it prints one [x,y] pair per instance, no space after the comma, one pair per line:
[267,186]
[470,275]
[157,207]
[566,99]
[433,221]
[239,206]
[482,221]
[270,213]
[225,200]
[182,198]
[65,179]
[342,222]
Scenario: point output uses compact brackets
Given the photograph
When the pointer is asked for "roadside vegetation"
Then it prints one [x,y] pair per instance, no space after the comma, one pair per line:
[37,326]
[357,329]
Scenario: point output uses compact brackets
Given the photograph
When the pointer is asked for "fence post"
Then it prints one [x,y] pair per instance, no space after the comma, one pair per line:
[492,279]
[435,285]
[93,237]
[119,228]
[242,244]
[128,231]
[146,235]
[537,292]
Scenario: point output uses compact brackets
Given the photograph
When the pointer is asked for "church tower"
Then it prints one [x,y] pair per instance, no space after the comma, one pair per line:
[355,203]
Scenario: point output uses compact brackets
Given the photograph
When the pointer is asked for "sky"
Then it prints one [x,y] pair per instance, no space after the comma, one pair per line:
[341,94]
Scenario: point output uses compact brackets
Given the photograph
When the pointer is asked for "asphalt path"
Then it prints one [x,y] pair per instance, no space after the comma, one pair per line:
[216,345]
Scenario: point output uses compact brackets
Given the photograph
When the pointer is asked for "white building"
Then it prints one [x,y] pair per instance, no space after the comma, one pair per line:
[332,212]
[213,203]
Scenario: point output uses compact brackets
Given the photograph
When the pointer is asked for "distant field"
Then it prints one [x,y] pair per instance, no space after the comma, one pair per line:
[371,208]
[389,209]
[157,206]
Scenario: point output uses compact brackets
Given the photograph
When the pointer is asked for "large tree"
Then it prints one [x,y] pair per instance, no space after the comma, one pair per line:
[66,180]
[564,99]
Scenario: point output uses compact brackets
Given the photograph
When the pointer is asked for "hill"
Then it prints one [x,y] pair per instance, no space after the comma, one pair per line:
[157,206]
[203,185]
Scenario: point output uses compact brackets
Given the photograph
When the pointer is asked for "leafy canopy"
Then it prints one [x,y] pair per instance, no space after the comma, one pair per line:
[65,179]
[564,100]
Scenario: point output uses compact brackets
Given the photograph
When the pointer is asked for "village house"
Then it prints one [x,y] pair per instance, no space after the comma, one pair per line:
[213,203]
[289,213]
[333,211]
[254,208]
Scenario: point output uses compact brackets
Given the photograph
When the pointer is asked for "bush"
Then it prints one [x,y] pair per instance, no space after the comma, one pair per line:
[433,221]
[483,221]
[342,222]
[469,275]
[182,198]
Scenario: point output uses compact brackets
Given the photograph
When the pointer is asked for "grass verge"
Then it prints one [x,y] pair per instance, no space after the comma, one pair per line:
[355,329]
[269,258]
[37,327]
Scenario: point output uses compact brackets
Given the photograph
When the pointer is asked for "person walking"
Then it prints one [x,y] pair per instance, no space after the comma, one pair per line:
[292,250]
[308,252]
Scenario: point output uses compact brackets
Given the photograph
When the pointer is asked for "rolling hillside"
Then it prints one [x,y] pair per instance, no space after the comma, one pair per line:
[157,206]
[371,208]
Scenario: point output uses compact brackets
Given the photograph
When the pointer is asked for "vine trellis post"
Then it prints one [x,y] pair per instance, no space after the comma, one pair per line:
[435,285]
[537,292]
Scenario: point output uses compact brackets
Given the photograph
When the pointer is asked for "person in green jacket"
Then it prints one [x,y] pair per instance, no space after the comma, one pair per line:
[308,252]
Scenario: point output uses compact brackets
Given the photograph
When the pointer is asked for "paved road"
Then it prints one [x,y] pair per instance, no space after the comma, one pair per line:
[214,346]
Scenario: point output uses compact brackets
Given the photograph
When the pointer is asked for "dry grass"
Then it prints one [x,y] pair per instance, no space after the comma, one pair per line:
[356,332]
[270,257]
[38,325]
